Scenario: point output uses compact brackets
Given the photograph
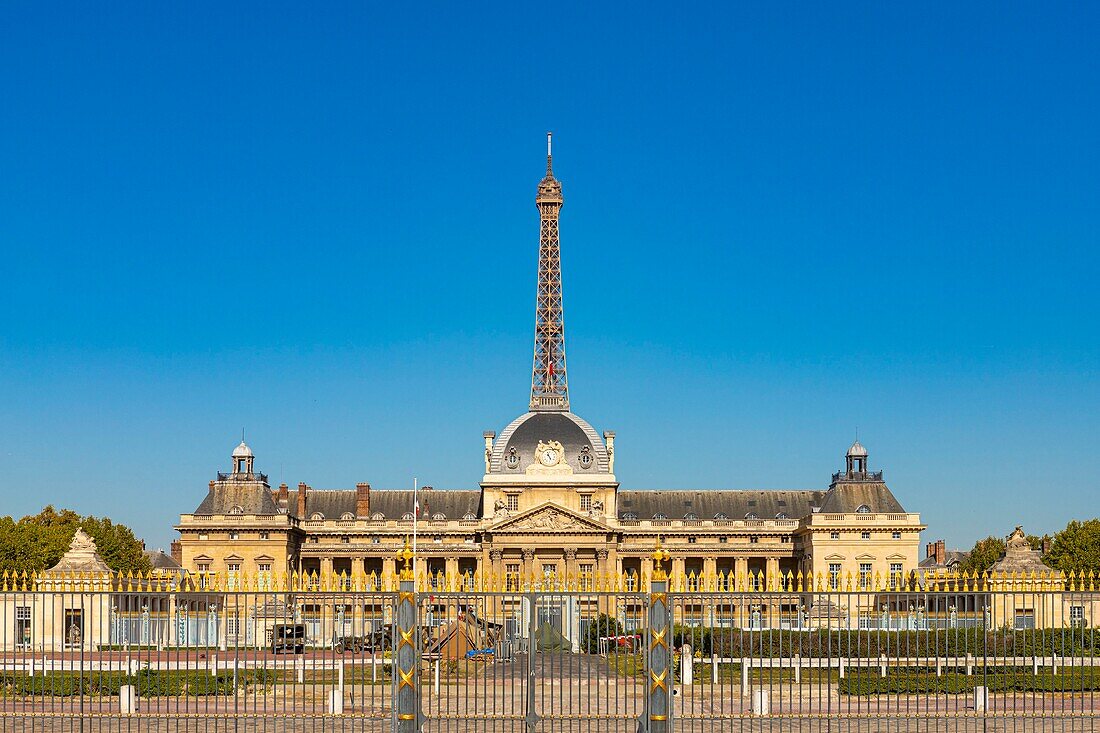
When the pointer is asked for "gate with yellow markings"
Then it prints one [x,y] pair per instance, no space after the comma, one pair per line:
[548,654]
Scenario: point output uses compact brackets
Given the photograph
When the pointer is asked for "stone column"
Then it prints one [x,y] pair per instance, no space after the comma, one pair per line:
[451,570]
[676,579]
[741,572]
[601,564]
[772,579]
[570,561]
[710,573]
[528,567]
[389,570]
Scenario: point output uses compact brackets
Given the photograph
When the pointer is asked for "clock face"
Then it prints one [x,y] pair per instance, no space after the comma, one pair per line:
[548,457]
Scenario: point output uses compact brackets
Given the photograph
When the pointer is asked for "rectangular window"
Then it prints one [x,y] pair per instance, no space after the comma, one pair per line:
[204,574]
[691,540]
[786,539]
[264,535]
[549,570]
[1025,618]
[345,540]
[864,575]
[513,502]
[895,575]
[511,576]
[834,576]
[896,535]
[74,627]
[834,535]
[723,540]
[234,535]
[753,540]
[263,577]
[1077,616]
[865,535]
[203,537]
[234,571]
[586,576]
[586,502]
[23,627]
[232,626]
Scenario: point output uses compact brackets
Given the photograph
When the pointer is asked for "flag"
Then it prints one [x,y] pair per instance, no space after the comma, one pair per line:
[416,506]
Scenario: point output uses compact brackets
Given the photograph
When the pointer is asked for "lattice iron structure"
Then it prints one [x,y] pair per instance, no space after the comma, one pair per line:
[549,385]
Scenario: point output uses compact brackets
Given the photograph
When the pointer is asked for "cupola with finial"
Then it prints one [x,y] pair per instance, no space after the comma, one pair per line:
[242,460]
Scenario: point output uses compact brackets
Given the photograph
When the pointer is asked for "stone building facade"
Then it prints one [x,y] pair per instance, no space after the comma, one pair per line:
[549,503]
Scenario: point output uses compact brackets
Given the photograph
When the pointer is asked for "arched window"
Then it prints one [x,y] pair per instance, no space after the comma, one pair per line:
[316,516]
[238,509]
[782,515]
[660,515]
[407,516]
[630,516]
[720,516]
[751,515]
[378,516]
[691,516]
[863,509]
[347,515]
[439,517]
[468,517]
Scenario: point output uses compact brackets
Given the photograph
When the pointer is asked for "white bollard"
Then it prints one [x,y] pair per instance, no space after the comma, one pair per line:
[969,664]
[1035,666]
[300,669]
[373,668]
[336,702]
[798,669]
[744,676]
[32,666]
[435,678]
[840,666]
[882,666]
[981,699]
[340,675]
[1054,664]
[213,665]
[713,668]
[127,700]
[687,665]
[761,704]
[939,667]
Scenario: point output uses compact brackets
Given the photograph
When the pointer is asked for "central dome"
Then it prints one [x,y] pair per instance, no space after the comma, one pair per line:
[515,448]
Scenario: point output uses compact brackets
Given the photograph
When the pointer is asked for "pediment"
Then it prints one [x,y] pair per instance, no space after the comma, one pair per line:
[549,517]
[834,556]
[865,556]
[895,556]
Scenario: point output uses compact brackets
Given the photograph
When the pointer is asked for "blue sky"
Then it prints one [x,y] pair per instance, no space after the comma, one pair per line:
[782,224]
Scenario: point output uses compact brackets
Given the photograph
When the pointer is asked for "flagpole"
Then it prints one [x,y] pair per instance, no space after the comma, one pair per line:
[416,515]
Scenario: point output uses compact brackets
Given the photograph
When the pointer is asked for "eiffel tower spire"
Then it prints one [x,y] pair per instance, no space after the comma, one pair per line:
[549,386]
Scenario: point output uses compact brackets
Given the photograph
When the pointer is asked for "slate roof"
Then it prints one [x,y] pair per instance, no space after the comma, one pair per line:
[251,496]
[571,430]
[392,503]
[705,504]
[847,496]
[159,560]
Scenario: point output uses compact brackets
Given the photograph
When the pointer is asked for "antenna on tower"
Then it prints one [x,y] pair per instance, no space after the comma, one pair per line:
[549,136]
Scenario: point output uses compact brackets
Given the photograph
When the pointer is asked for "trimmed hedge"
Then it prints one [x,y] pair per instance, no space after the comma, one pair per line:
[149,683]
[866,682]
[853,643]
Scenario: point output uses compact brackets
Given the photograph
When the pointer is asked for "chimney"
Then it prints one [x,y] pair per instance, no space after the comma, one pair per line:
[941,552]
[362,500]
[176,551]
[283,496]
[489,435]
[302,489]
[143,545]
[1046,545]
[929,549]
[609,439]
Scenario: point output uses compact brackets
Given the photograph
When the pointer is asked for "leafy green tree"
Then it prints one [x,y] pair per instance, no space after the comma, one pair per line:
[601,626]
[36,543]
[983,555]
[1076,548]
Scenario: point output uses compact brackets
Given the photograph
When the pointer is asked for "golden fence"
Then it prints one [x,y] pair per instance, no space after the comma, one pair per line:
[483,582]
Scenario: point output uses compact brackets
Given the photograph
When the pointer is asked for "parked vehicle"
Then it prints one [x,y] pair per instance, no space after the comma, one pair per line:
[288,638]
[376,641]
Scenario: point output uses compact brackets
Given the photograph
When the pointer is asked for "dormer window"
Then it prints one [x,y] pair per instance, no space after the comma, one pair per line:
[630,516]
[347,515]
[407,516]
[751,515]
[691,516]
[439,517]
[512,459]
[863,509]
[317,516]
[660,515]
[721,516]
[782,515]
[236,510]
[378,517]
[468,517]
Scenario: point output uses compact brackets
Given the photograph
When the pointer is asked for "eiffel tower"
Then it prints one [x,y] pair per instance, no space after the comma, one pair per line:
[549,384]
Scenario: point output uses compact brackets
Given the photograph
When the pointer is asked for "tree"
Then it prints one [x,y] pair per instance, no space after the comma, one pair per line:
[601,626]
[37,542]
[983,555]
[1076,549]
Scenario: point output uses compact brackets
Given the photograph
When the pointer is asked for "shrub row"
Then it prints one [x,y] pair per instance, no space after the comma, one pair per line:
[944,642]
[866,682]
[149,683]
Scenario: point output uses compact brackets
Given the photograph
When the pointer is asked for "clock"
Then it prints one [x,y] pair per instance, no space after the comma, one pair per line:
[548,457]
